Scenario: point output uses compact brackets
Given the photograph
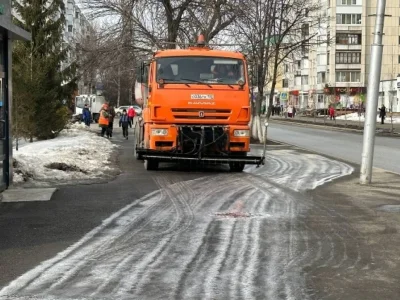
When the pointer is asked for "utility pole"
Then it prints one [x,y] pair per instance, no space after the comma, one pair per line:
[372,96]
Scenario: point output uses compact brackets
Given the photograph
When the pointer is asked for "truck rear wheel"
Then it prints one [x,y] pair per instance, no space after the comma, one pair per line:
[150,164]
[236,166]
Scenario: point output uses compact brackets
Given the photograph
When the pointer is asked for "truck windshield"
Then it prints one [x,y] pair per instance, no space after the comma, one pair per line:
[207,70]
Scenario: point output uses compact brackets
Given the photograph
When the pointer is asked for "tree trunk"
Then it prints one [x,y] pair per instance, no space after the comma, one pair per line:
[273,83]
[130,95]
[119,86]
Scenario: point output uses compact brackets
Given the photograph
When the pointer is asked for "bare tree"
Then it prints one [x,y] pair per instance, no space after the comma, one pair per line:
[274,31]
[208,17]
[253,27]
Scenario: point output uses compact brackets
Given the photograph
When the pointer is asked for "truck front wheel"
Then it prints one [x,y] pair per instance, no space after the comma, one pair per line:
[150,164]
[236,166]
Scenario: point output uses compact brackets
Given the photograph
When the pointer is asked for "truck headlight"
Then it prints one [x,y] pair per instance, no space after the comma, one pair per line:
[159,132]
[241,132]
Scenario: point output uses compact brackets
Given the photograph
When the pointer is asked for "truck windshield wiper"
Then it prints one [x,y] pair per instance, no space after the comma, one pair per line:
[220,80]
[197,81]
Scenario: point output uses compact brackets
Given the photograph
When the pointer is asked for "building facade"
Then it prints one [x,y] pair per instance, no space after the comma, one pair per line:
[8,33]
[77,30]
[336,72]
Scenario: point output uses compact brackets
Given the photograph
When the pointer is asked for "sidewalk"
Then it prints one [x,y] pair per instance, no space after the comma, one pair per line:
[342,124]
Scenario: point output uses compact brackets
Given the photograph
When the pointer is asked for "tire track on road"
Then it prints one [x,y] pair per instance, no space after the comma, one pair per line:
[172,245]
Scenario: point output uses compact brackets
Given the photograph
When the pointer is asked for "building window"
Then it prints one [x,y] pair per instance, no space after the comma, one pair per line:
[321,77]
[285,83]
[399,59]
[399,20]
[304,51]
[77,14]
[328,58]
[352,19]
[69,28]
[348,39]
[320,98]
[348,57]
[347,2]
[286,68]
[305,30]
[304,79]
[348,76]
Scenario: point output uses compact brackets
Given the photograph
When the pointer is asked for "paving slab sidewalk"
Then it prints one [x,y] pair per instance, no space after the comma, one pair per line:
[364,225]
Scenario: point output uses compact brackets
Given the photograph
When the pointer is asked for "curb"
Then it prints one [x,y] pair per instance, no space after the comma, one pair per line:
[317,126]
[332,128]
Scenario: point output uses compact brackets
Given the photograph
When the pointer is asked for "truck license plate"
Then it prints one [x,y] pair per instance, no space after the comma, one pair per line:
[202,96]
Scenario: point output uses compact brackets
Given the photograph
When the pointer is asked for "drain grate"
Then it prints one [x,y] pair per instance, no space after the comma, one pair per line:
[390,208]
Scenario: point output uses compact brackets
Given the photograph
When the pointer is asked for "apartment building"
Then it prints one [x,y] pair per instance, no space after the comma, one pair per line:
[77,29]
[336,72]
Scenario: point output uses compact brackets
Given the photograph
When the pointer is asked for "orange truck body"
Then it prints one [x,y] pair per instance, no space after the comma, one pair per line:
[191,114]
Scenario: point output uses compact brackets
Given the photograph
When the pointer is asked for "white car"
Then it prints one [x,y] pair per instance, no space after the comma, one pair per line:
[138,110]
[118,111]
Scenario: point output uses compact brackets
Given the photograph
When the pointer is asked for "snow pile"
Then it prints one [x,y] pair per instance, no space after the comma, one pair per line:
[355,117]
[76,154]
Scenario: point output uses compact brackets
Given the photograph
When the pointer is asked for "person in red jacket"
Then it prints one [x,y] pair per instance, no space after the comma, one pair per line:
[332,112]
[131,115]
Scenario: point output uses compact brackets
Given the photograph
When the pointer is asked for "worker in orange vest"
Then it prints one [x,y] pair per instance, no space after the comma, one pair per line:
[103,119]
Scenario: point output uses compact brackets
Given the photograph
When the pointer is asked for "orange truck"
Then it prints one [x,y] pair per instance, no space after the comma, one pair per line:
[196,107]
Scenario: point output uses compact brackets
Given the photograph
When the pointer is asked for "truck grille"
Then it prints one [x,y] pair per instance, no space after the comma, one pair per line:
[201,114]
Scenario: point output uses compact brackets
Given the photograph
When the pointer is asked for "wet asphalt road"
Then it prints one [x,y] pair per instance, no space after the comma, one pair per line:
[343,145]
[174,234]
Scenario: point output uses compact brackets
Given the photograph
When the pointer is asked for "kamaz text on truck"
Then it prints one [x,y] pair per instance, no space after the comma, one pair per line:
[196,107]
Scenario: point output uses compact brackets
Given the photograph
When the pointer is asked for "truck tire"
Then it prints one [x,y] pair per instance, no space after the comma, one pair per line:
[236,166]
[150,164]
[138,156]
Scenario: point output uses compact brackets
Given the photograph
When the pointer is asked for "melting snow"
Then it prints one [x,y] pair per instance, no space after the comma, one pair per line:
[77,153]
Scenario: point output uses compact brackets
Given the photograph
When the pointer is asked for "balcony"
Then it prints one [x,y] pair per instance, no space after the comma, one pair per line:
[347,84]
[352,28]
[348,66]
[348,47]
[305,72]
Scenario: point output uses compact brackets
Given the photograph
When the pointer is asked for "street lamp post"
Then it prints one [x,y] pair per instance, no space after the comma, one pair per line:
[372,96]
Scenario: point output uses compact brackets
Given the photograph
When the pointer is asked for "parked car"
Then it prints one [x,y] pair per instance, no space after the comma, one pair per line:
[118,111]
[138,110]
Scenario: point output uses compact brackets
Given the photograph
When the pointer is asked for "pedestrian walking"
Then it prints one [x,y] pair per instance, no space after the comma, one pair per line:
[131,115]
[111,116]
[124,123]
[290,111]
[103,120]
[382,113]
[86,115]
[332,112]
